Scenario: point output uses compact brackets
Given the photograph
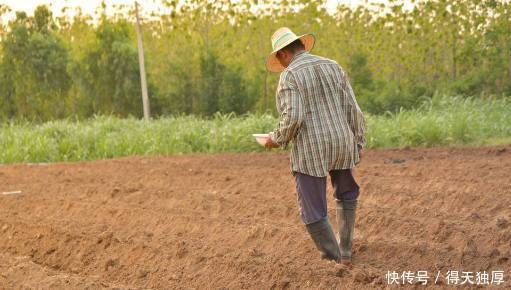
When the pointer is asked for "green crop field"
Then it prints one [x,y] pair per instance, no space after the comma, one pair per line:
[438,122]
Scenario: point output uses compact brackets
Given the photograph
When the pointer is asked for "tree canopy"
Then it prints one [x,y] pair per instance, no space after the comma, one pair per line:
[205,56]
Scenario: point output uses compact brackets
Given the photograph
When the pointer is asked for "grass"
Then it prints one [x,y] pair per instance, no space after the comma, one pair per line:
[438,122]
[444,121]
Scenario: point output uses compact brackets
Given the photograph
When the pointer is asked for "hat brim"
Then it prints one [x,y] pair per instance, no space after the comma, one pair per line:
[273,64]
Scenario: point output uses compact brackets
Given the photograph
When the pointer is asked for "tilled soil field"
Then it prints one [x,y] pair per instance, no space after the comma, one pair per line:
[231,221]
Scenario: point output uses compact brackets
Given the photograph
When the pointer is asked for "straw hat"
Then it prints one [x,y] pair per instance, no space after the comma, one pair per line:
[280,39]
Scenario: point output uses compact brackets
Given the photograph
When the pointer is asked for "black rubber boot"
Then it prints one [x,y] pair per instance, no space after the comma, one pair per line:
[324,238]
[346,224]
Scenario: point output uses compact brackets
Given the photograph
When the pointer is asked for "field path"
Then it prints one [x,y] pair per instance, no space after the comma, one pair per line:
[231,221]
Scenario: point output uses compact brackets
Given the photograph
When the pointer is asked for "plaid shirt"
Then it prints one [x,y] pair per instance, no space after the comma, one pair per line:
[319,113]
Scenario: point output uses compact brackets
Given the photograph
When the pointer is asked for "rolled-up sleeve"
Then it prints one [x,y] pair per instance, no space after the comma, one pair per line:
[354,114]
[290,107]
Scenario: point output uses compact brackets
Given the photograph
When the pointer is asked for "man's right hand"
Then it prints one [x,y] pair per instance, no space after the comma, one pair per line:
[359,152]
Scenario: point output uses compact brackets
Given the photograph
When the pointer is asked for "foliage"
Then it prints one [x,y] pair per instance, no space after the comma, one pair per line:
[33,71]
[107,74]
[208,56]
[441,121]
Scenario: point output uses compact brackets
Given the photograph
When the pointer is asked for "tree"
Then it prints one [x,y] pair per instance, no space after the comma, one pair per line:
[209,56]
[107,74]
[34,67]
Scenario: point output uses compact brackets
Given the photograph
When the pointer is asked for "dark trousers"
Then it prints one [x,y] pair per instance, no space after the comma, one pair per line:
[311,192]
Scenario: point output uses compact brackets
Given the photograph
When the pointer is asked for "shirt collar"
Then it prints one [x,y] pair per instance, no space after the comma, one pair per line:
[297,56]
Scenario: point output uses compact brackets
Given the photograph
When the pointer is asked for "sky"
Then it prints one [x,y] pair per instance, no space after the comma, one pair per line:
[89,6]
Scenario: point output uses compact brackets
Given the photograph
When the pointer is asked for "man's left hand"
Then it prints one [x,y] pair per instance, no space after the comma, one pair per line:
[270,144]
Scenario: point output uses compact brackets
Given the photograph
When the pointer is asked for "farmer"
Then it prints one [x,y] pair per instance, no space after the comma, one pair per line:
[319,113]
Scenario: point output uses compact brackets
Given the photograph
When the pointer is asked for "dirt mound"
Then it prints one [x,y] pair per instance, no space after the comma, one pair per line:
[231,221]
